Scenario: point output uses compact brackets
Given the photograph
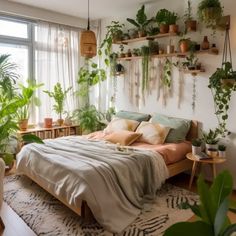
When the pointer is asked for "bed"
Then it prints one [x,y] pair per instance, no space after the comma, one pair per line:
[127,205]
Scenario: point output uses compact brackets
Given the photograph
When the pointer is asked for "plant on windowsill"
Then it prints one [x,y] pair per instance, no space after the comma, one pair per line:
[210,12]
[27,94]
[222,84]
[141,22]
[9,106]
[59,96]
[190,23]
[211,212]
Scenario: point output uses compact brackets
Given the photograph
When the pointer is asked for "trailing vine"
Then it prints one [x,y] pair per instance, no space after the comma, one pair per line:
[145,51]
[167,73]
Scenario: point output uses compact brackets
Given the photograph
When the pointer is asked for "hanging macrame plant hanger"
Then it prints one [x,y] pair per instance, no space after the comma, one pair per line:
[88,42]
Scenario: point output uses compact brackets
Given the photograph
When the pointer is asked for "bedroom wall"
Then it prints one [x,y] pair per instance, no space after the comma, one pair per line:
[204,111]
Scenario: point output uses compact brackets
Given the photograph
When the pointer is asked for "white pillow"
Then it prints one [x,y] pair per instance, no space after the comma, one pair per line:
[152,133]
[118,124]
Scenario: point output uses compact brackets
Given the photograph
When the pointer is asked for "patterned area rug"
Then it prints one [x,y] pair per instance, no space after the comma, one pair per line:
[45,215]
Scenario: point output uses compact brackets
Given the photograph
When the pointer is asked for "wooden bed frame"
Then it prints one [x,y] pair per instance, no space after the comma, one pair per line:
[174,169]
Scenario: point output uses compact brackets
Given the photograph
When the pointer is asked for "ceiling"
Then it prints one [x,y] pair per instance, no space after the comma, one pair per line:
[98,8]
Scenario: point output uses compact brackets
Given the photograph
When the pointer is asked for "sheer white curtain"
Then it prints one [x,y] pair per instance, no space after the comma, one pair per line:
[57,60]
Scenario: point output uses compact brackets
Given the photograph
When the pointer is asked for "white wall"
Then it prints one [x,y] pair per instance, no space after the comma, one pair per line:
[204,111]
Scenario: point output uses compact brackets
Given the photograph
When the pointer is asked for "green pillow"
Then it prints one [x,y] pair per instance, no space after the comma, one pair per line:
[133,115]
[179,127]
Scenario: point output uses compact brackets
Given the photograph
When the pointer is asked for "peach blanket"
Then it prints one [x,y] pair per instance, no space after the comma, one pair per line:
[171,152]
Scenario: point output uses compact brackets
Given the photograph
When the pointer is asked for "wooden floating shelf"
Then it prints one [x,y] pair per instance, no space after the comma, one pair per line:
[194,72]
[145,38]
[177,54]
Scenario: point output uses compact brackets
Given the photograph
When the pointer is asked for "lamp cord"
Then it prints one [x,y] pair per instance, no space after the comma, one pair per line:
[88,28]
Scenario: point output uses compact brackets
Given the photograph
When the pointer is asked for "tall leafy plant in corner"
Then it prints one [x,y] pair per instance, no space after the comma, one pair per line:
[212,210]
[59,96]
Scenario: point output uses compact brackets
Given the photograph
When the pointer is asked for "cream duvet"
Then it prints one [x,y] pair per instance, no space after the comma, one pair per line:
[114,183]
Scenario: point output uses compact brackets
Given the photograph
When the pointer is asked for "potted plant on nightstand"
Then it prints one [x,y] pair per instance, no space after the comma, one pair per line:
[196,146]
[190,24]
[141,21]
[222,150]
[59,96]
[211,140]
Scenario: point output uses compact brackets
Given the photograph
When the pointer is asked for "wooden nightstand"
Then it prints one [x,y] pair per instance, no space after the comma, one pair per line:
[210,161]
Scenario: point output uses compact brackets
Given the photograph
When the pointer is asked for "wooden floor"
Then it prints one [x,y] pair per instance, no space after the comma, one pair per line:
[15,226]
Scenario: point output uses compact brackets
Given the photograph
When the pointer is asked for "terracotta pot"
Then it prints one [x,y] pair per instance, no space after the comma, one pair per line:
[60,122]
[184,46]
[205,44]
[141,33]
[47,122]
[173,28]
[164,28]
[191,25]
[23,124]
[228,82]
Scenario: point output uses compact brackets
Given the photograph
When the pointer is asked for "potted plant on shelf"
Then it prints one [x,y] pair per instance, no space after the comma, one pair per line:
[59,96]
[222,150]
[210,12]
[173,27]
[141,22]
[27,94]
[190,24]
[196,146]
[184,44]
[162,19]
[211,212]
[222,83]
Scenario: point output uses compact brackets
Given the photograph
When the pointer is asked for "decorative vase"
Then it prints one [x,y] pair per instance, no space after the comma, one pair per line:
[173,28]
[191,25]
[196,150]
[47,122]
[164,28]
[23,124]
[205,44]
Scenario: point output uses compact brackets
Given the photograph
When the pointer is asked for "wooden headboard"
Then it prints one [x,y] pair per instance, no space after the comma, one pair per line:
[193,131]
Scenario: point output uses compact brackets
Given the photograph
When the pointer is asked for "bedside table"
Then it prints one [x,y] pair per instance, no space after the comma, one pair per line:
[196,161]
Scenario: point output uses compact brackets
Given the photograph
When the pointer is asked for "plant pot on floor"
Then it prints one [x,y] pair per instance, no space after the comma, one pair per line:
[23,124]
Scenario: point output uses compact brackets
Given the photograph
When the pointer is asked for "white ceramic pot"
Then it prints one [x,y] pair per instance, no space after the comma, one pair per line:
[196,150]
[222,154]
[211,146]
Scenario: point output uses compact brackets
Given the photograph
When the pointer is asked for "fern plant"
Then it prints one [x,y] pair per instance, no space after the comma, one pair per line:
[59,96]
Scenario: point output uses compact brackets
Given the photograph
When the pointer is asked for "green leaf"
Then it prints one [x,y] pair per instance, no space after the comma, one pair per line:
[197,228]
[221,216]
[30,138]
[8,158]
[229,230]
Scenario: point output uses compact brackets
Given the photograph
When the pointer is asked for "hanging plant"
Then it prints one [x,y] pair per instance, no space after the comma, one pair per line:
[167,73]
[145,52]
[113,34]
[210,12]
[222,91]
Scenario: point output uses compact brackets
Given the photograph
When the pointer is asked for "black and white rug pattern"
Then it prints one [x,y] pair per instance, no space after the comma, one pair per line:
[45,215]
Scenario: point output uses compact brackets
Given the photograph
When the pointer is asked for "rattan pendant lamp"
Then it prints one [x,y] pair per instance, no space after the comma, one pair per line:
[88,42]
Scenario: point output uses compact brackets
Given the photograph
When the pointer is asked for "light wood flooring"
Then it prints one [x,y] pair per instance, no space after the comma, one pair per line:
[15,226]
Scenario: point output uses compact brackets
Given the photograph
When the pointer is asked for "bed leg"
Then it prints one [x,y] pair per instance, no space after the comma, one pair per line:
[86,213]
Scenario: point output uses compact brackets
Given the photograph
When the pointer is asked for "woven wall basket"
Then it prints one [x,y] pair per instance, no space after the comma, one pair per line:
[88,44]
